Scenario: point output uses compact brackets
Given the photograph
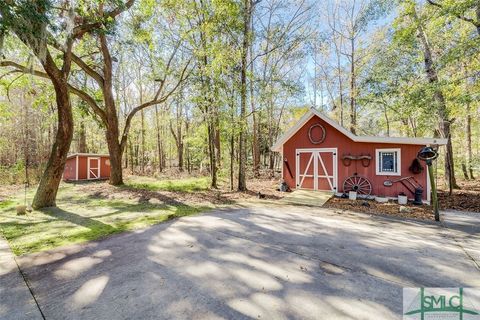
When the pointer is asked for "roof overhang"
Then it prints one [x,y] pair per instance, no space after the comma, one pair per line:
[73,155]
[277,147]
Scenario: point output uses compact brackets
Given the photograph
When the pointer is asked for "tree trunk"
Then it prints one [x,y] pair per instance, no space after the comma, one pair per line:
[469,144]
[211,151]
[271,129]
[353,111]
[142,159]
[130,148]
[82,140]
[340,82]
[178,141]
[387,121]
[48,187]
[159,142]
[441,106]
[187,147]
[26,140]
[242,185]
[232,159]
[468,125]
[218,152]
[115,147]
[449,164]
[255,131]
[180,156]
[127,155]
[115,152]
[464,169]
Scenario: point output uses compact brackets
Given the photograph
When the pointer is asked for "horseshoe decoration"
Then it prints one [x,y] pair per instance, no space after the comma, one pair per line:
[322,137]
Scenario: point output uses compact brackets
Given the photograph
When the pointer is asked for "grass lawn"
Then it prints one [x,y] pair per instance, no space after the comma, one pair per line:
[83,215]
[183,185]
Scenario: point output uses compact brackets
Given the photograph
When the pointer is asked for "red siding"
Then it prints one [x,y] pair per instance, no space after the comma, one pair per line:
[70,169]
[335,139]
[104,167]
[82,167]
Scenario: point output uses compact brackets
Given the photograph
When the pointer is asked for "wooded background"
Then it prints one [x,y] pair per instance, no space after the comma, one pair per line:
[207,86]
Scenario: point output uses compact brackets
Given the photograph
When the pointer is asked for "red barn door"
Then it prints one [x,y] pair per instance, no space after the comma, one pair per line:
[316,169]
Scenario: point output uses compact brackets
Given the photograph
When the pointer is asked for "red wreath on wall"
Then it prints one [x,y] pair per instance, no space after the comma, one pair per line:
[322,137]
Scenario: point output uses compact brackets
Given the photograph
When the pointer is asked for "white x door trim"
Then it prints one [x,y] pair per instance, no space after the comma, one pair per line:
[93,172]
[316,158]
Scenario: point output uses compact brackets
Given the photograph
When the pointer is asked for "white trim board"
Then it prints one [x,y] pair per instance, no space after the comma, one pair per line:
[316,157]
[98,167]
[76,167]
[87,155]
[277,147]
[398,162]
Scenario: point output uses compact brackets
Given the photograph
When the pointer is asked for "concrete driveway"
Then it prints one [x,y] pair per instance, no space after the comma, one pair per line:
[261,263]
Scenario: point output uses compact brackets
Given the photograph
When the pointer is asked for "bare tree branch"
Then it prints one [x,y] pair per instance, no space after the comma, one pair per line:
[23,69]
[81,94]
[126,129]
[89,100]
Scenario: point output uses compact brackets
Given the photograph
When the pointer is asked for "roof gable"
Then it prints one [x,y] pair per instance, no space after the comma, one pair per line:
[313,112]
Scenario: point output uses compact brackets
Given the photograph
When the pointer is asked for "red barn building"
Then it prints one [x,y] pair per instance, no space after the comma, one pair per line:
[87,166]
[319,154]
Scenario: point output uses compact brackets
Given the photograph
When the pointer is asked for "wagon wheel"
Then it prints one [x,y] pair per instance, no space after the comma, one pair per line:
[359,184]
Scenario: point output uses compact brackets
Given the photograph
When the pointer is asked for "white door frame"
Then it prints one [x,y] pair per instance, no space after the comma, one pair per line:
[88,168]
[316,156]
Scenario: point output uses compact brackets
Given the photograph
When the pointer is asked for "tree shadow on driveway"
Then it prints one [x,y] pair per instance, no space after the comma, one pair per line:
[249,263]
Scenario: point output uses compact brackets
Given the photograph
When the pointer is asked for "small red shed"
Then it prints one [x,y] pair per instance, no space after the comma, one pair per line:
[319,154]
[87,166]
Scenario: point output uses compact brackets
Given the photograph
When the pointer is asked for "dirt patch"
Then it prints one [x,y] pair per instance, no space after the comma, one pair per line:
[465,199]
[423,212]
[264,189]
[7,191]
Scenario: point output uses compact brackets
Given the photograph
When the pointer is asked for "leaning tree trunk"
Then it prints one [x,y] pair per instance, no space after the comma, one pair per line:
[48,186]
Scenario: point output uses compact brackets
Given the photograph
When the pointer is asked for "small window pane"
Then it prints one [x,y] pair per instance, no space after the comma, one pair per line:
[388,161]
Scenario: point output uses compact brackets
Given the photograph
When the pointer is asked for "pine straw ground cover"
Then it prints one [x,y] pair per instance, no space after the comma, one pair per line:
[465,199]
[422,212]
